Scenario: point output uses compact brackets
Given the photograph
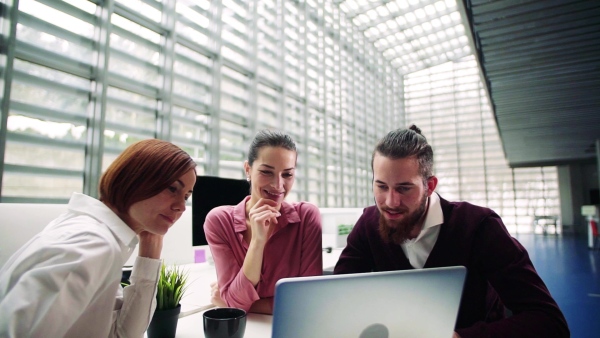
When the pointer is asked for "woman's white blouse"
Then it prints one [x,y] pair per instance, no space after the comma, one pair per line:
[65,281]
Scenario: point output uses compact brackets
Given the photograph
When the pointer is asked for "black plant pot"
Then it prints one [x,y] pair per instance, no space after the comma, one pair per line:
[164,323]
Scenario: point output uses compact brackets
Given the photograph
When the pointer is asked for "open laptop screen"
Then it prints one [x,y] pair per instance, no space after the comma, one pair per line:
[410,303]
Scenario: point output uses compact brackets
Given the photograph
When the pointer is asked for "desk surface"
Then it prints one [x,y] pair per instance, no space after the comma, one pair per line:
[257,326]
[196,300]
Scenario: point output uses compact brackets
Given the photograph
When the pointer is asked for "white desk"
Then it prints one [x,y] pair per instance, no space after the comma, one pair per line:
[196,300]
[257,326]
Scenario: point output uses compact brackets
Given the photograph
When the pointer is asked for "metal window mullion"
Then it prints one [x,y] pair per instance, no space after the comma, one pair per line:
[456,130]
[190,62]
[252,28]
[131,130]
[240,83]
[138,18]
[298,97]
[125,83]
[20,76]
[236,67]
[189,121]
[96,126]
[32,139]
[51,29]
[69,9]
[229,166]
[378,98]
[154,4]
[41,200]
[185,102]
[213,149]
[301,98]
[235,96]
[268,83]
[44,113]
[189,142]
[118,102]
[380,94]
[280,31]
[233,131]
[236,48]
[8,28]
[369,141]
[191,81]
[337,97]
[41,171]
[322,101]
[235,32]
[483,143]
[354,113]
[116,53]
[164,111]
[268,37]
[233,117]
[139,40]
[191,24]
[33,54]
[191,104]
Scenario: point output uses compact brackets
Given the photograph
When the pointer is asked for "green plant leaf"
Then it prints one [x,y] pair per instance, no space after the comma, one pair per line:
[172,284]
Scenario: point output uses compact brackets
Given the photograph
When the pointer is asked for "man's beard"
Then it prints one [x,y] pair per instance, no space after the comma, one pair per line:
[397,231]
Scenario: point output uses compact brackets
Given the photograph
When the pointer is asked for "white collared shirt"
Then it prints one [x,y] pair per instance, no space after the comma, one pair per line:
[417,249]
[65,281]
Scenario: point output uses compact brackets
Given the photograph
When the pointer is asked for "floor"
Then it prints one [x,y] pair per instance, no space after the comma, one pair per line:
[572,273]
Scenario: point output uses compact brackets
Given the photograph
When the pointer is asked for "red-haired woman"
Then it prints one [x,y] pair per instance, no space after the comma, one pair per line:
[65,282]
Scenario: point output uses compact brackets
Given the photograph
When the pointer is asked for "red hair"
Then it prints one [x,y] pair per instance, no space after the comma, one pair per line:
[141,171]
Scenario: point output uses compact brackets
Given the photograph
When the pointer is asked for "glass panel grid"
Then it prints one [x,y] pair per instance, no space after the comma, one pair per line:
[469,161]
[329,74]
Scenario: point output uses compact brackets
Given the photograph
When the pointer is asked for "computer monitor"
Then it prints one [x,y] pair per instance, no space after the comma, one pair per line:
[211,192]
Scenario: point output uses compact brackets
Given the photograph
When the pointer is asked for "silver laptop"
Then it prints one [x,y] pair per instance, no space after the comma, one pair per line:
[419,303]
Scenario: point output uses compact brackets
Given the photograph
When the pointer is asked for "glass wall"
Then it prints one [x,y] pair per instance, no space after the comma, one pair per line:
[81,80]
[87,78]
[449,104]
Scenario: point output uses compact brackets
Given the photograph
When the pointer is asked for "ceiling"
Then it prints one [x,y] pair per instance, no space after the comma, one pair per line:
[540,60]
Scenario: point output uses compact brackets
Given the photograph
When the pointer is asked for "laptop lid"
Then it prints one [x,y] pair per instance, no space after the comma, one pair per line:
[409,303]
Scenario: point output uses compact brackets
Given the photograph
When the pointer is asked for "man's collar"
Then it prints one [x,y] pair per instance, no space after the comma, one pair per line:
[434,212]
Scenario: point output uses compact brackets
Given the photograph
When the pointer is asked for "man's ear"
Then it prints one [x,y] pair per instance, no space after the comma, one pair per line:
[431,184]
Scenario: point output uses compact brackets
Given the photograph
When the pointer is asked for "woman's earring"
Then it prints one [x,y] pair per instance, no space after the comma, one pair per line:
[248,178]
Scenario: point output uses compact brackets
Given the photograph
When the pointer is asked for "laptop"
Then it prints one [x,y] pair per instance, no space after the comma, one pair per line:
[418,303]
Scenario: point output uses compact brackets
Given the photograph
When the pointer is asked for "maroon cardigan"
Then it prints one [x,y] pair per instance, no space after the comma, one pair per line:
[476,238]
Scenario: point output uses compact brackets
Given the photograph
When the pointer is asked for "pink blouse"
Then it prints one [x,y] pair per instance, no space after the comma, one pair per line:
[293,250]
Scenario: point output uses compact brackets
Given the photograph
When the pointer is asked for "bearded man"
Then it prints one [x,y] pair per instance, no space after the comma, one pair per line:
[412,227]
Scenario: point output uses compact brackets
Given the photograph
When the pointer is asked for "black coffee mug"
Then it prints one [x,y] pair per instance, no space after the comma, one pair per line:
[224,322]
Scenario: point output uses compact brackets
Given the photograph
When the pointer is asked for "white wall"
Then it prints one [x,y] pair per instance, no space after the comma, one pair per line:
[21,221]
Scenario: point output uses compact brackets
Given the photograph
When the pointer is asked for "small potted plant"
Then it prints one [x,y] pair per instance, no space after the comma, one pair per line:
[171,287]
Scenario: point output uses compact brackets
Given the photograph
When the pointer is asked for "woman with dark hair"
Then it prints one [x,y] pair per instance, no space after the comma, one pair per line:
[65,282]
[263,238]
